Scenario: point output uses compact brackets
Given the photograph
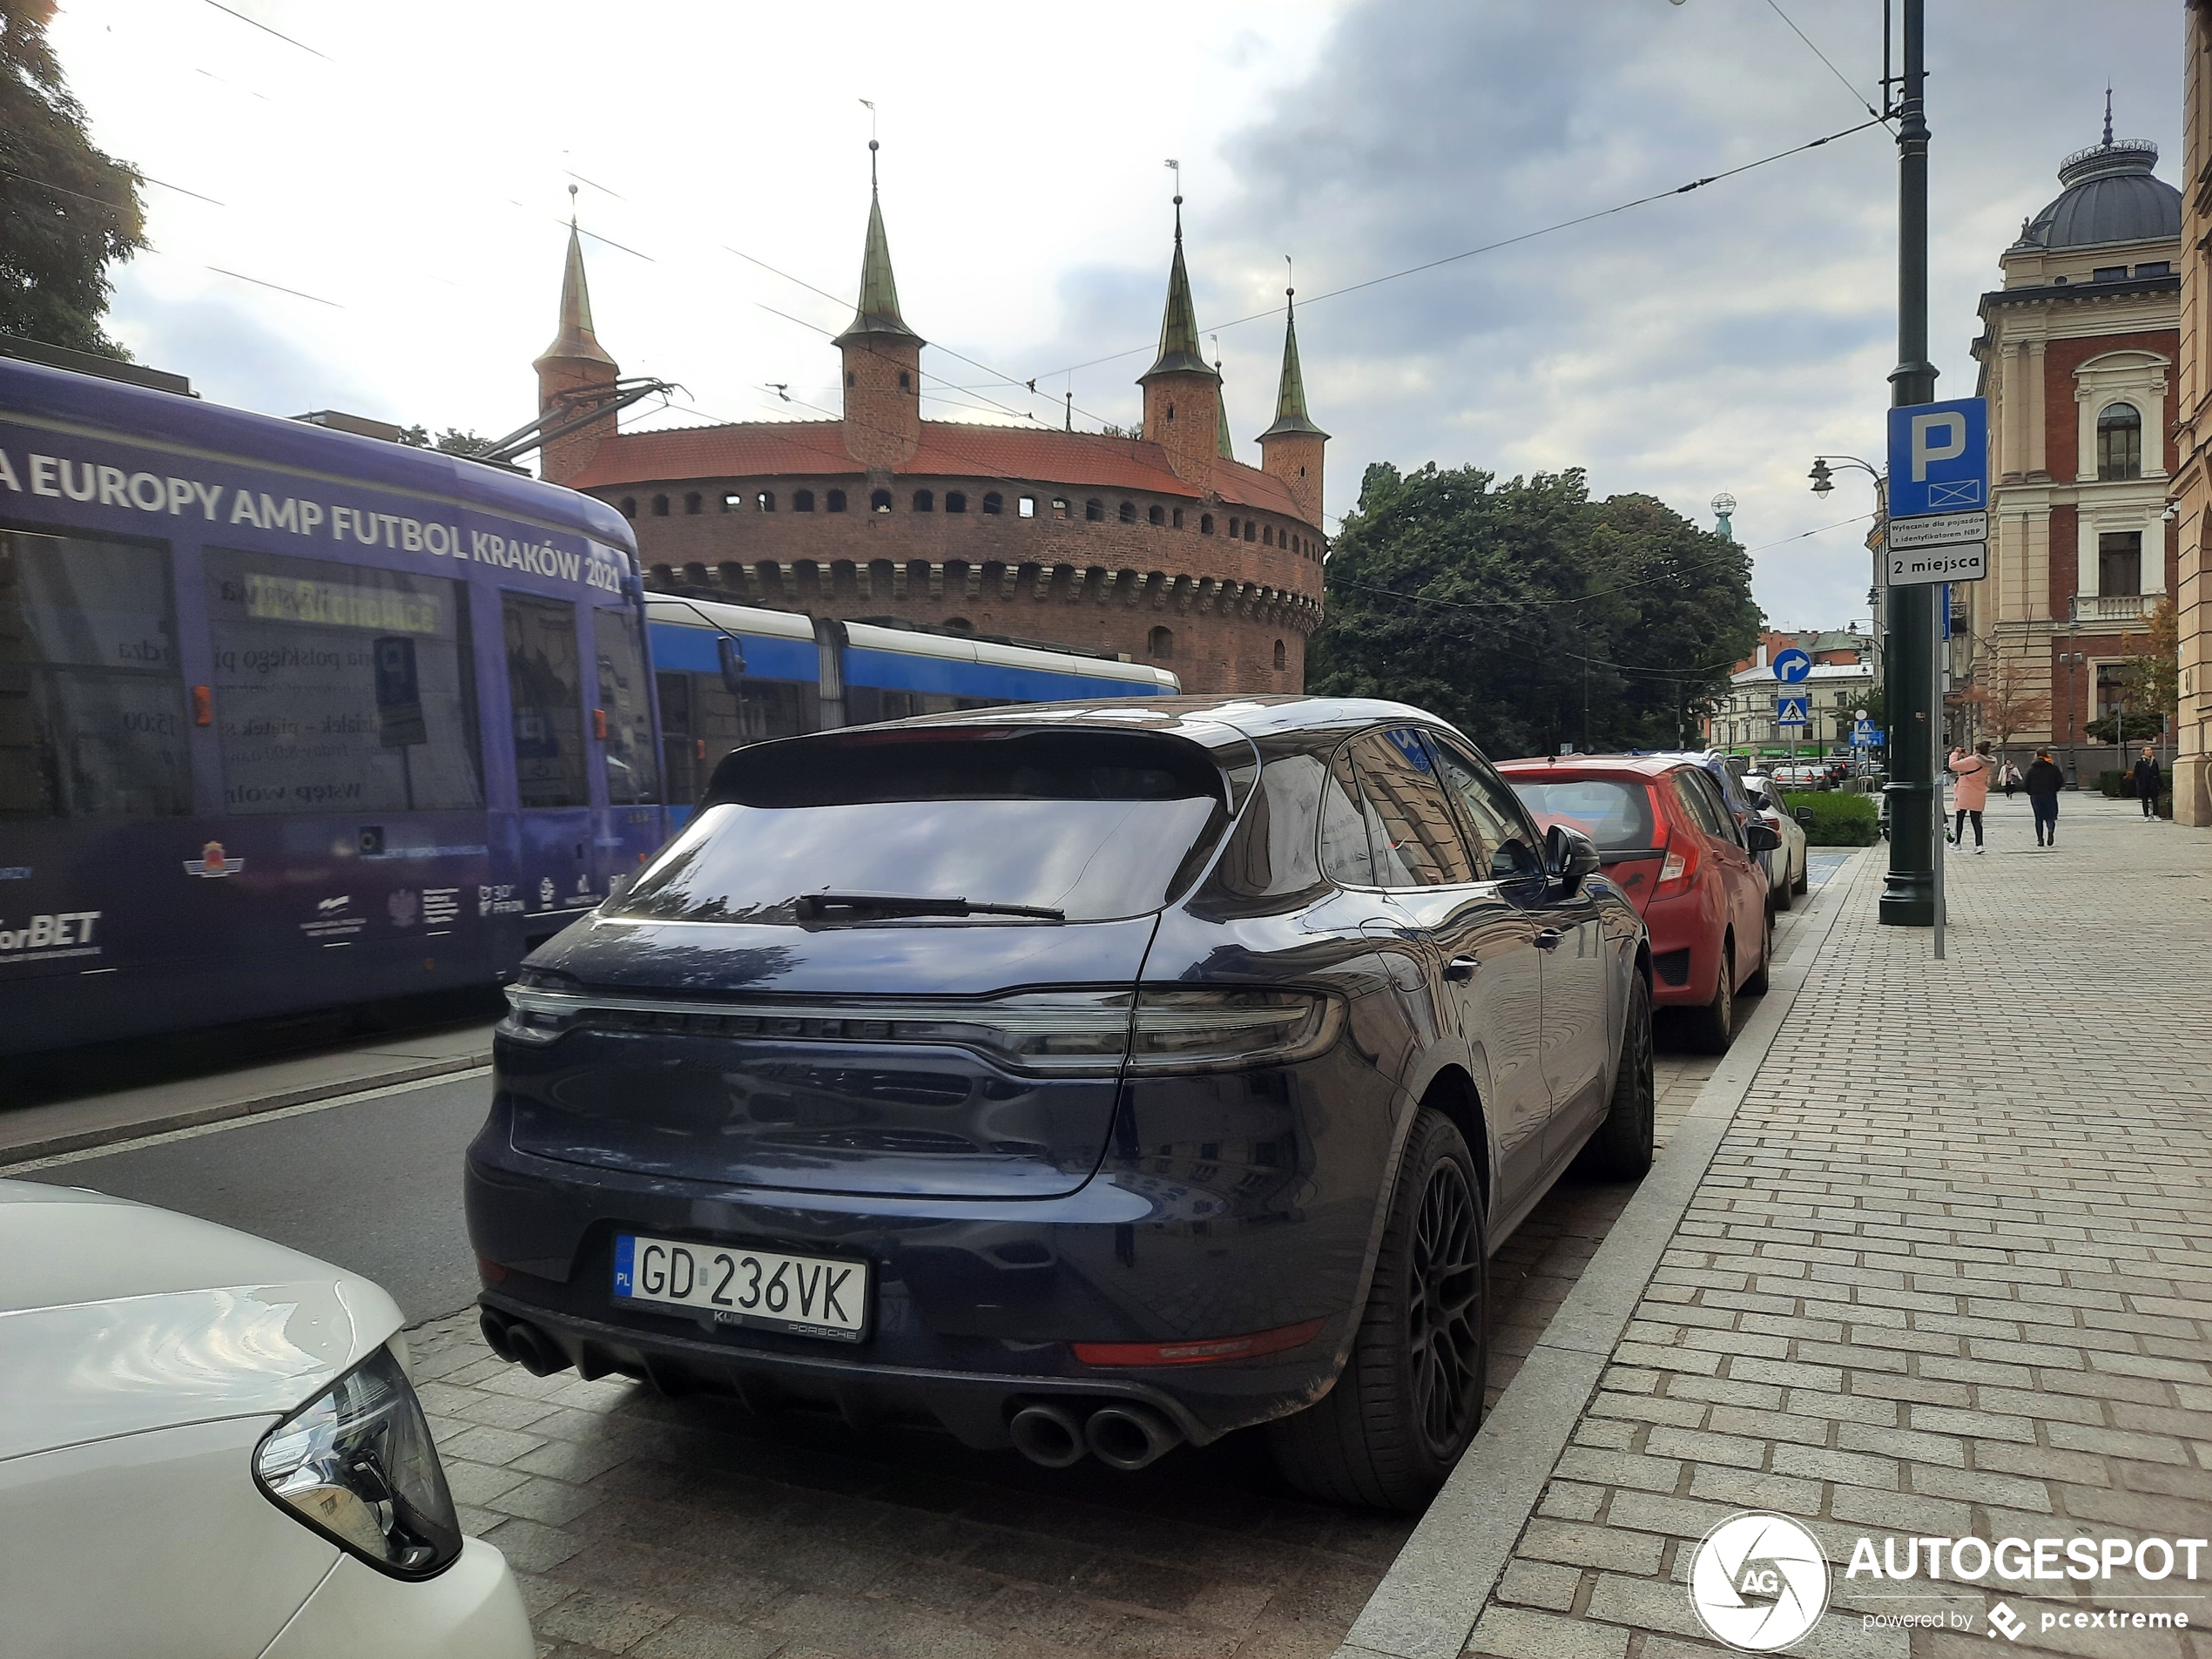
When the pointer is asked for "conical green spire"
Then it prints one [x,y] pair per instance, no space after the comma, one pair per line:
[1179,353]
[1289,398]
[878,316]
[575,341]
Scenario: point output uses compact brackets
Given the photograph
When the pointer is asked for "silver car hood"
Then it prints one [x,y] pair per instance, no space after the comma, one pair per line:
[117,1317]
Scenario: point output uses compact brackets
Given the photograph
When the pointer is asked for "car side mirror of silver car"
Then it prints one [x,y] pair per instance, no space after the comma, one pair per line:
[1761,837]
[1570,856]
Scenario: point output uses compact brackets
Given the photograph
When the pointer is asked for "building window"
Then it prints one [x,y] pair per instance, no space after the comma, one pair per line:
[2156,267]
[1267,534]
[1028,506]
[2120,563]
[1156,515]
[880,501]
[1160,646]
[2109,274]
[629,506]
[959,625]
[1178,518]
[1060,509]
[1094,509]
[956,502]
[731,503]
[1232,530]
[1248,529]
[1127,512]
[924,501]
[837,501]
[802,501]
[768,501]
[692,502]
[1282,657]
[2120,443]
[1205,523]
[849,381]
[660,507]
[905,382]
[2113,687]
[993,503]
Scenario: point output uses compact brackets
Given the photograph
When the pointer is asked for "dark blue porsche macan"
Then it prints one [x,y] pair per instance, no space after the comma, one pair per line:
[1088,1079]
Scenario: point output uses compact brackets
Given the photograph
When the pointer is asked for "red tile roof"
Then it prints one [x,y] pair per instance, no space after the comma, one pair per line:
[949,449]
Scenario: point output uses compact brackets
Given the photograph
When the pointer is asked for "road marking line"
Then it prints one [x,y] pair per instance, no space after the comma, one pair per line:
[221,1124]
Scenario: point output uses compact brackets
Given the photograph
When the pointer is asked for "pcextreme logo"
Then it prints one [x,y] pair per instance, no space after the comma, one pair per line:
[1759,1583]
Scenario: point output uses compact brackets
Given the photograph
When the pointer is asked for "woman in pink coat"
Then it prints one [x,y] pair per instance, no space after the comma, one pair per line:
[1969,791]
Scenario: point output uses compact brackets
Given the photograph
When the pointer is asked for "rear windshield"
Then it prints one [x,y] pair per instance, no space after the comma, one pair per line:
[1092,825]
[1613,812]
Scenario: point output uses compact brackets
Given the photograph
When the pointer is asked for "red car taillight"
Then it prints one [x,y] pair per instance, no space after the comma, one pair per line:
[1680,868]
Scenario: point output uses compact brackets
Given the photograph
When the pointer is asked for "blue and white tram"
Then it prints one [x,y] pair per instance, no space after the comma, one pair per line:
[781,673]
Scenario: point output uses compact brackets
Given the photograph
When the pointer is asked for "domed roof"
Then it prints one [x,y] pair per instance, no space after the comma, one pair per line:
[2110,196]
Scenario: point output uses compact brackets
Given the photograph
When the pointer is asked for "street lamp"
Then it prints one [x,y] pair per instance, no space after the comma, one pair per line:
[1823,484]
[2072,660]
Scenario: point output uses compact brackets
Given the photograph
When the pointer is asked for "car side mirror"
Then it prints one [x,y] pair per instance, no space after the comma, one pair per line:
[1761,836]
[1570,857]
[730,656]
[1803,814]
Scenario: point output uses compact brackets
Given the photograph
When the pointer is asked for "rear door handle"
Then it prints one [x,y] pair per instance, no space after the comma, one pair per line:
[1548,939]
[1461,967]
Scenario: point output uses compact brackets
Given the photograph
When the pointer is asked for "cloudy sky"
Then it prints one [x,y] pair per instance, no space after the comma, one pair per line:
[404,168]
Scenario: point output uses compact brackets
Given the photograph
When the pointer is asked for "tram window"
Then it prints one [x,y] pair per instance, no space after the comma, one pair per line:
[543,689]
[633,774]
[341,687]
[92,721]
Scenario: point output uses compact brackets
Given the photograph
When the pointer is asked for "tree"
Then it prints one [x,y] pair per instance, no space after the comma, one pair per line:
[66,209]
[2155,661]
[451,442]
[1530,615]
[2003,702]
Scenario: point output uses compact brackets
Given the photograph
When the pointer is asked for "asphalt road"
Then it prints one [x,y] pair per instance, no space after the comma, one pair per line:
[373,1186]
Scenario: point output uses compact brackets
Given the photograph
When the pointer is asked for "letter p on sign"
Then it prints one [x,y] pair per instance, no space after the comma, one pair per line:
[1940,437]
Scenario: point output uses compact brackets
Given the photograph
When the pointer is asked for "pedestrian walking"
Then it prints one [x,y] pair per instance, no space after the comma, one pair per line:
[2044,781]
[1969,793]
[2009,776]
[2148,781]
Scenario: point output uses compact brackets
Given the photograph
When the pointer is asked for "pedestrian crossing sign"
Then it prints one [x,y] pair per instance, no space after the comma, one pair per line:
[1791,711]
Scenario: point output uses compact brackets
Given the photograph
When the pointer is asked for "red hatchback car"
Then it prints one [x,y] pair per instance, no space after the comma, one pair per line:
[1670,842]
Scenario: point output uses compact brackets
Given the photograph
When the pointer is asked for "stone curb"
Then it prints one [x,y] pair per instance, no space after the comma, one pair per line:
[1426,1606]
[108,1135]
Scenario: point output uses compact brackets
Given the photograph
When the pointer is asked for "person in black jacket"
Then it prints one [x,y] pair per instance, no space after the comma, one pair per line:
[2148,781]
[2044,782]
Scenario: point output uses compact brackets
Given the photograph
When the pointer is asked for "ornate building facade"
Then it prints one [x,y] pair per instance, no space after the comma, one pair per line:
[2078,355]
[1161,549]
[2193,433]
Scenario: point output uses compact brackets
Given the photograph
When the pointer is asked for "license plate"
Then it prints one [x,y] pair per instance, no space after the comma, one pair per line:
[808,1295]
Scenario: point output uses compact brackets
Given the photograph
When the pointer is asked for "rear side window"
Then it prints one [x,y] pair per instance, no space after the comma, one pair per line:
[92,718]
[1701,802]
[544,684]
[1094,825]
[1504,851]
[1615,812]
[1272,852]
[1417,842]
[1347,851]
[341,687]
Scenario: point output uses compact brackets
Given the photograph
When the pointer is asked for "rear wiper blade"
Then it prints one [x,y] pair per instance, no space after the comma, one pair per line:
[817,906]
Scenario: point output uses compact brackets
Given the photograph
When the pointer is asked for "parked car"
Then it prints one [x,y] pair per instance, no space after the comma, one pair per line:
[210,1448]
[1666,837]
[1803,774]
[1788,871]
[1727,773]
[1088,1079]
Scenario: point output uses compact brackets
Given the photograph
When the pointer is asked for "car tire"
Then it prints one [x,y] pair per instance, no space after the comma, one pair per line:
[1713,1027]
[1804,882]
[1622,1149]
[1777,899]
[1755,984]
[1410,1396]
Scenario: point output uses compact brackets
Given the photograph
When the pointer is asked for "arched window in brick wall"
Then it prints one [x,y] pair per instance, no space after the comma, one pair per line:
[993,503]
[766,501]
[959,625]
[1282,657]
[660,507]
[693,502]
[629,506]
[1178,518]
[664,575]
[880,501]
[907,384]
[2120,443]
[1267,534]
[802,501]
[1232,530]
[1205,523]
[925,502]
[1155,514]
[1094,509]
[1248,529]
[956,502]
[1159,644]
[837,501]
[731,503]
[1127,512]
[1061,509]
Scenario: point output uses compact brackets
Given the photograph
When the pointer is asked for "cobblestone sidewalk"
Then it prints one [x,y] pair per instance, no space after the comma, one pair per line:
[1948,1275]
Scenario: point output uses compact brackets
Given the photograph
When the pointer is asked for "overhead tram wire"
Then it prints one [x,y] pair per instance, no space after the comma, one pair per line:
[266,30]
[1862,101]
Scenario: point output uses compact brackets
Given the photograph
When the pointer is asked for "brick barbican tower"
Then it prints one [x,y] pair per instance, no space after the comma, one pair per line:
[1291,448]
[574,363]
[882,359]
[1182,411]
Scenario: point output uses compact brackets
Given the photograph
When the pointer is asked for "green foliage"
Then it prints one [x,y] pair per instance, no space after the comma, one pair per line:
[2112,783]
[66,209]
[1504,607]
[1838,820]
[451,442]
[2140,728]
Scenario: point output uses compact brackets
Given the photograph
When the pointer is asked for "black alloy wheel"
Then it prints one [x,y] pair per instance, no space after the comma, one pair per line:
[1622,1149]
[1409,1398]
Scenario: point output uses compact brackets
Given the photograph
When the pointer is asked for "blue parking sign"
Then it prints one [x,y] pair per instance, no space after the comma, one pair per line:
[1939,458]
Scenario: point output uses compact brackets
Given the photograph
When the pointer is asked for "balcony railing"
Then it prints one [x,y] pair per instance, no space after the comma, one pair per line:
[2113,607]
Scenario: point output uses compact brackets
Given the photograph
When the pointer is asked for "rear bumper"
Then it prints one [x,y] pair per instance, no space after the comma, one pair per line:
[1685,951]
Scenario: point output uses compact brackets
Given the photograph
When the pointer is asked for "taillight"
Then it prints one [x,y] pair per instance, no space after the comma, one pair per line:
[1681,868]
